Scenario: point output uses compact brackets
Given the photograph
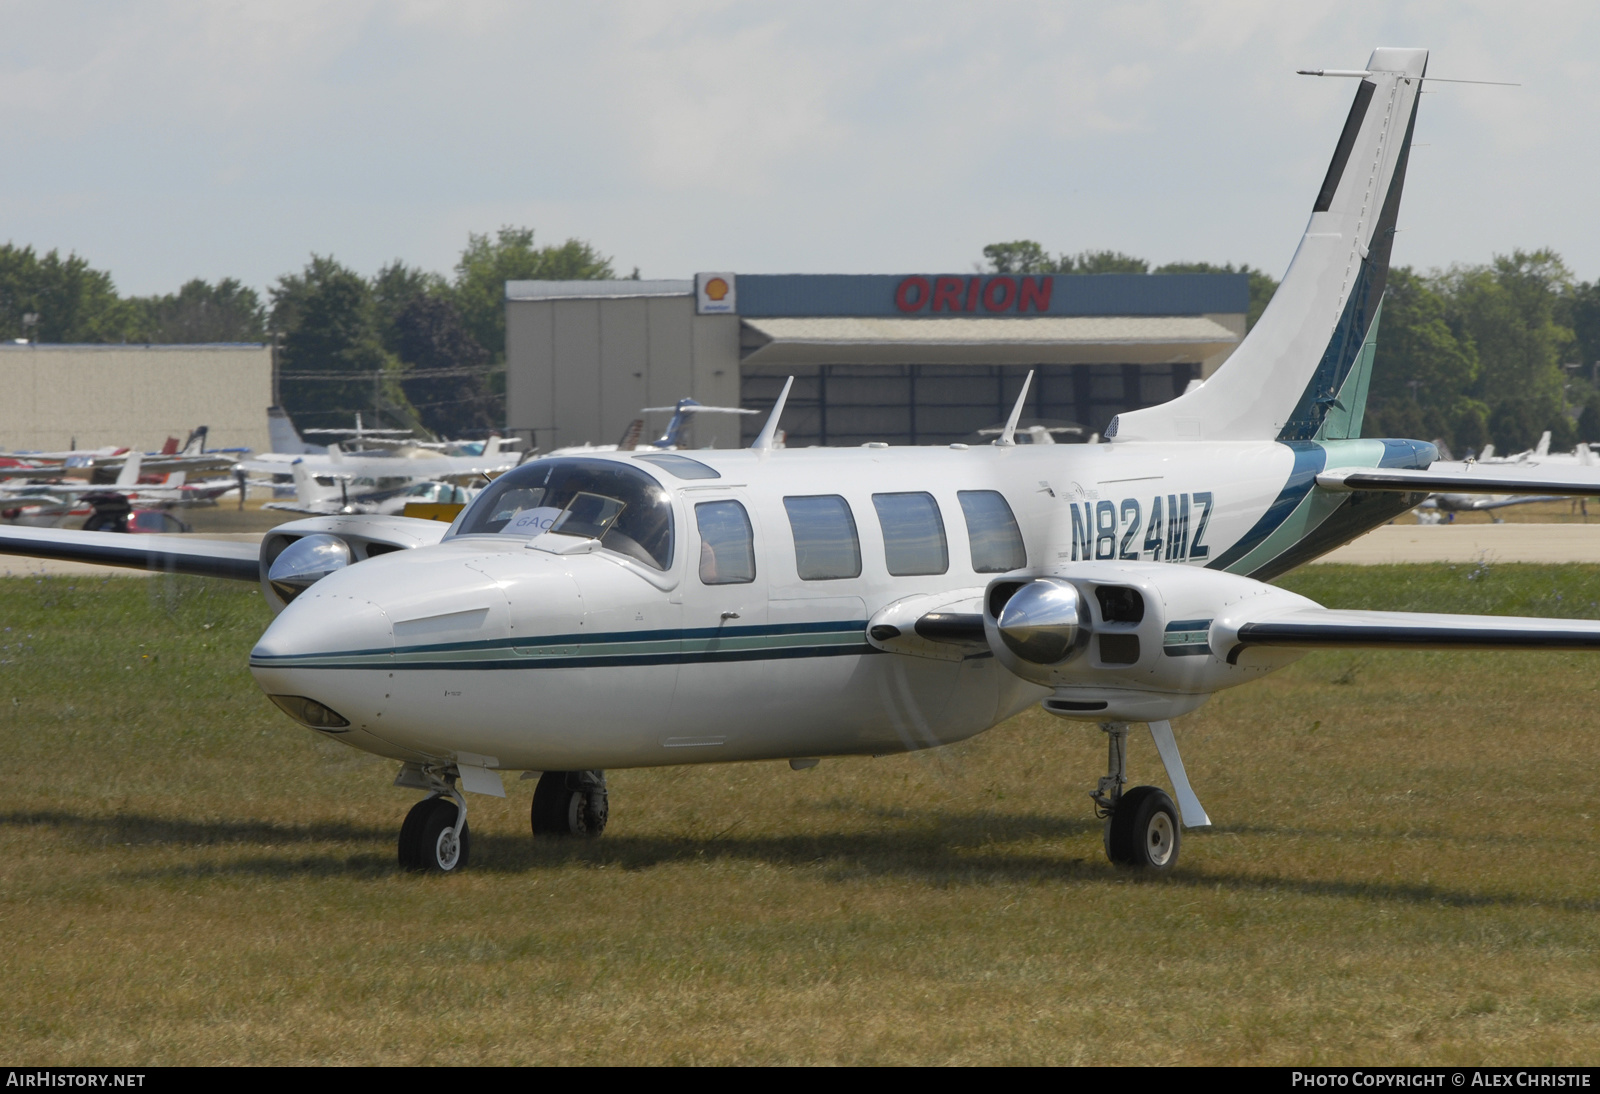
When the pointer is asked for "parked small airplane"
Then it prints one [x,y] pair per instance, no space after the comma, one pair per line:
[328,495]
[104,463]
[682,413]
[632,609]
[499,454]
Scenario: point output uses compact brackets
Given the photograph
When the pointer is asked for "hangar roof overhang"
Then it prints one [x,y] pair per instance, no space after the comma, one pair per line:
[1043,340]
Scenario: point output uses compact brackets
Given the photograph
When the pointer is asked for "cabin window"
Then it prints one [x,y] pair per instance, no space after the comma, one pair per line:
[913,534]
[992,531]
[825,541]
[727,545]
[616,503]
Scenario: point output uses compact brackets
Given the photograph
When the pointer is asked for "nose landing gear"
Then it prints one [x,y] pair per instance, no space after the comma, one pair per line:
[435,837]
[570,803]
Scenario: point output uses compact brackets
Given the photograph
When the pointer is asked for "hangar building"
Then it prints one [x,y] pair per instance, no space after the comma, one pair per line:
[906,359]
[133,395]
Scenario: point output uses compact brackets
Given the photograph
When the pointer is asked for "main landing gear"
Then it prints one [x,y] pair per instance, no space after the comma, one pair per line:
[435,837]
[569,803]
[1143,827]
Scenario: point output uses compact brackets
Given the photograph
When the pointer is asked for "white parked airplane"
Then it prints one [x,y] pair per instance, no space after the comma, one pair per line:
[638,609]
[682,412]
[499,454]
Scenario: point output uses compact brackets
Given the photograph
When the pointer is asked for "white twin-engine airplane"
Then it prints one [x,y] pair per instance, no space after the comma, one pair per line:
[642,609]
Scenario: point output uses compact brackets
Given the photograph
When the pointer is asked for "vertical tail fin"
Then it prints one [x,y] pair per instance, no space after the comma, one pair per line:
[283,435]
[1296,365]
[129,475]
[307,490]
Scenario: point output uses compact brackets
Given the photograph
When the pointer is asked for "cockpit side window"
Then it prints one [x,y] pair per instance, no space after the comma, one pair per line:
[727,545]
[620,505]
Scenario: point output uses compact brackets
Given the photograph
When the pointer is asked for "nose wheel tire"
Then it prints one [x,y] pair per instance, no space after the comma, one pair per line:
[429,842]
[1143,831]
[570,803]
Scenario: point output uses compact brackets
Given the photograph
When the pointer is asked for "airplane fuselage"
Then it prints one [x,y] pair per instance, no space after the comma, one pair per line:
[554,652]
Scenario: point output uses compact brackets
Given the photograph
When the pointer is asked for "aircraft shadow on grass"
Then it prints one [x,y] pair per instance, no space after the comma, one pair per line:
[945,849]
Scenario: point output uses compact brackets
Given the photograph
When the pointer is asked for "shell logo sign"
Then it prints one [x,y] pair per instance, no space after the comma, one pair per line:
[715,293]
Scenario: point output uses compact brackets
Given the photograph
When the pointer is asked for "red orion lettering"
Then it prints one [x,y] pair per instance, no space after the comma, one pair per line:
[953,294]
[912,293]
[946,294]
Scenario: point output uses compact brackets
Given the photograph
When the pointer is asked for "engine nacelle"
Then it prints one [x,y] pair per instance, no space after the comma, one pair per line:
[360,537]
[1129,641]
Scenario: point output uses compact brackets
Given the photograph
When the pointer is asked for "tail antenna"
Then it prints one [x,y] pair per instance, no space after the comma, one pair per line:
[1007,438]
[763,441]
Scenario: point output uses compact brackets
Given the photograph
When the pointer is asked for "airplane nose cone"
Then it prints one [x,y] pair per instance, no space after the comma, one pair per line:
[326,629]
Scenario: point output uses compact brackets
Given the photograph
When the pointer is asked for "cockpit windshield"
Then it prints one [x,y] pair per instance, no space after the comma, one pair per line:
[621,506]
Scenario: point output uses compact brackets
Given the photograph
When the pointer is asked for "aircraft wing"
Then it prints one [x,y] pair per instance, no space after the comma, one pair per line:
[169,554]
[1461,478]
[268,463]
[1331,628]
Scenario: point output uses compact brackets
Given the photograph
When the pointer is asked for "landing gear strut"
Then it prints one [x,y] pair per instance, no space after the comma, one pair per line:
[569,803]
[435,837]
[1142,827]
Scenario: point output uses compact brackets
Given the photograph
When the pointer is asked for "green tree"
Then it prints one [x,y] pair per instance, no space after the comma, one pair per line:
[1019,257]
[200,312]
[1025,256]
[1102,262]
[1583,315]
[1509,311]
[487,264]
[394,288]
[72,301]
[331,359]
[1423,374]
[446,375]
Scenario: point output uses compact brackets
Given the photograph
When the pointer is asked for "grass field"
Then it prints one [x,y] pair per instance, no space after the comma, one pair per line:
[1405,868]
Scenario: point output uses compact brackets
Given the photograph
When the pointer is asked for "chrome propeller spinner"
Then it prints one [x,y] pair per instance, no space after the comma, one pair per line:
[305,562]
[1044,622]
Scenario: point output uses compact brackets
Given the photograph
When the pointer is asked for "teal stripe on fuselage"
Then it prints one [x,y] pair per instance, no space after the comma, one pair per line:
[1309,459]
[620,648]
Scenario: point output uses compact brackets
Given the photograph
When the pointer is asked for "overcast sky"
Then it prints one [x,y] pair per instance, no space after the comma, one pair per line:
[165,141]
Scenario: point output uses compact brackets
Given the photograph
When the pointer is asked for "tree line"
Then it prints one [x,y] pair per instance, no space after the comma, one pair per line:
[422,349]
[1470,355]
[1494,353]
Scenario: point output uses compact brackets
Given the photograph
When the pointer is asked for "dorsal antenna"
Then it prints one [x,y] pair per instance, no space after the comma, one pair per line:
[1007,436]
[763,440]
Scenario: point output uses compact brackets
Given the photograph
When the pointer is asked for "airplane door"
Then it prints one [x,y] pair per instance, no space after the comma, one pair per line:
[725,588]
[724,623]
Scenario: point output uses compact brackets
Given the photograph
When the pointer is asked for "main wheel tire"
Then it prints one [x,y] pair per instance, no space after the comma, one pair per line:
[1144,831]
[570,803]
[429,842]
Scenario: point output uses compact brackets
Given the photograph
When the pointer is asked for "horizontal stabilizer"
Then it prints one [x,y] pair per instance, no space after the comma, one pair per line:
[1329,628]
[1463,479]
[168,554]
